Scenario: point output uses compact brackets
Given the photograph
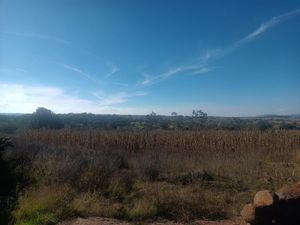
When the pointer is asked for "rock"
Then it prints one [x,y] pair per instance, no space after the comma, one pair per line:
[264,198]
[289,192]
[257,215]
[264,203]
[289,204]
[282,207]
[248,213]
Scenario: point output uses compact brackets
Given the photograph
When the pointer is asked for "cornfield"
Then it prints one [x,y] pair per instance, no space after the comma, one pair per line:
[195,141]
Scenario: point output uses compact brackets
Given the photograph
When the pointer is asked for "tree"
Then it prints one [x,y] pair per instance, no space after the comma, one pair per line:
[152,114]
[174,114]
[262,125]
[199,114]
[45,118]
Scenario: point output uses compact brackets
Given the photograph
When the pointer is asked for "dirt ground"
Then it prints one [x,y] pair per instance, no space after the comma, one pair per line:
[108,221]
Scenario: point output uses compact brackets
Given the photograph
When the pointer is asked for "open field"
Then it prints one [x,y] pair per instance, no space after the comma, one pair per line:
[140,175]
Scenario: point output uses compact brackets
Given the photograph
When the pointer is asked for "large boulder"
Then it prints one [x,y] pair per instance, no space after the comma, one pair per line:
[288,211]
[281,207]
[289,192]
[264,198]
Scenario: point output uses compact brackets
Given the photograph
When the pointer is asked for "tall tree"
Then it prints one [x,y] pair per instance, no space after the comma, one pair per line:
[45,118]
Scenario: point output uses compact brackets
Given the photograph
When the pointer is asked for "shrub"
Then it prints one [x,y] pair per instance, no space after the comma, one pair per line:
[43,206]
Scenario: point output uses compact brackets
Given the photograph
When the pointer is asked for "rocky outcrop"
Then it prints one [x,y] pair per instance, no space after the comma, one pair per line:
[281,207]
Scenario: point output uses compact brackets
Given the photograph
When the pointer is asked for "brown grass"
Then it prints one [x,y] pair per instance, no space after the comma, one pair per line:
[193,141]
[136,175]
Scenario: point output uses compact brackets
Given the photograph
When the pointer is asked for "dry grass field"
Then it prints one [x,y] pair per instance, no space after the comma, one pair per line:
[140,175]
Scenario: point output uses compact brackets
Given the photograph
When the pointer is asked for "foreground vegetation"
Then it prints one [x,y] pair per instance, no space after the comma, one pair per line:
[138,175]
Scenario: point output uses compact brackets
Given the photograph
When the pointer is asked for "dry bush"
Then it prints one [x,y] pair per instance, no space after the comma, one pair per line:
[179,202]
[93,204]
[43,205]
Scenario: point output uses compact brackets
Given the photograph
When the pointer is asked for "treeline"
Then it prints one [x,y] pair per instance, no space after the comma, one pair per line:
[44,118]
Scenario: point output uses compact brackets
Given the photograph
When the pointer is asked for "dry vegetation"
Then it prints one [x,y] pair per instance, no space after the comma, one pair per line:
[137,175]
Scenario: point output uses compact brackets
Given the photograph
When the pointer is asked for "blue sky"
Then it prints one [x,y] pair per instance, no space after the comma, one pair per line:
[230,58]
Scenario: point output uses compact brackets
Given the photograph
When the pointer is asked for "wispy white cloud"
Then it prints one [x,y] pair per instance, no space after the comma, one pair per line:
[13,71]
[203,70]
[21,70]
[114,99]
[180,69]
[25,99]
[269,24]
[120,84]
[265,26]
[113,69]
[38,36]
[76,70]
[79,71]
[201,66]
[210,54]
[149,80]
